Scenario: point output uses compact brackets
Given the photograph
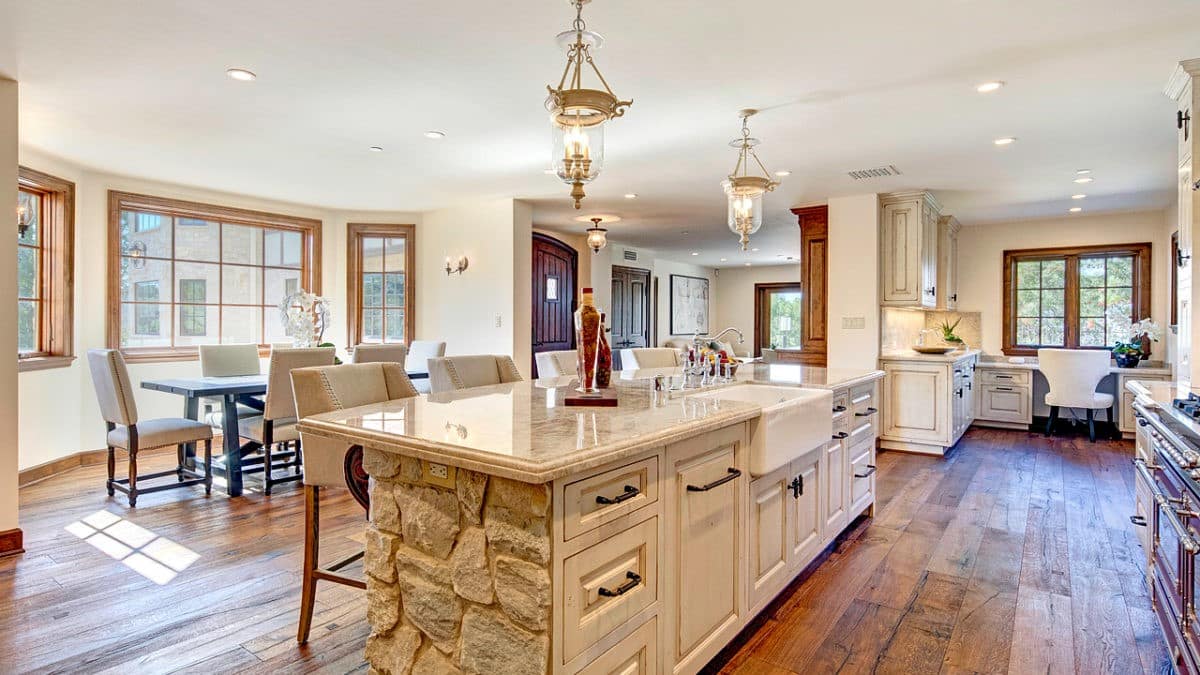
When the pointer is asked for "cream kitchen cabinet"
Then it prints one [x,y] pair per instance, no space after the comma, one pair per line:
[927,401]
[1126,420]
[1004,397]
[1184,89]
[947,263]
[908,240]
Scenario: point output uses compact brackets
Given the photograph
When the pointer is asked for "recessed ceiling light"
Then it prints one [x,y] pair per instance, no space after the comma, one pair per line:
[684,232]
[435,135]
[1007,140]
[1076,209]
[1078,196]
[747,264]
[988,87]
[724,259]
[630,195]
[781,174]
[1083,172]
[1085,179]
[240,74]
[755,250]
[375,148]
[549,172]
[695,253]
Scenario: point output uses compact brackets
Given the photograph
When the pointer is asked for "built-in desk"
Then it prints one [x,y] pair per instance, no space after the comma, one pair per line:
[1010,394]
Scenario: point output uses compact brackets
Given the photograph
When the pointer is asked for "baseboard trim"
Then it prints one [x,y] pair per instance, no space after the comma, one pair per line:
[36,474]
[12,542]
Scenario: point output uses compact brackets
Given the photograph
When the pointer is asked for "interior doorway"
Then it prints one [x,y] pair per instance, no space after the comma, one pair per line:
[555,292]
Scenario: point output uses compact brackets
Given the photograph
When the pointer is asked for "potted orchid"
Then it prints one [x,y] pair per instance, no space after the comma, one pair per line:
[1141,334]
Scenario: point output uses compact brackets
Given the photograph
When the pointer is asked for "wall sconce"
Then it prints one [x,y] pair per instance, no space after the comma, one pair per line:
[457,266]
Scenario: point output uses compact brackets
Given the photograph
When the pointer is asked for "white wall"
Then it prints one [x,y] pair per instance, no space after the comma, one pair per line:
[853,281]
[9,399]
[981,259]
[735,297]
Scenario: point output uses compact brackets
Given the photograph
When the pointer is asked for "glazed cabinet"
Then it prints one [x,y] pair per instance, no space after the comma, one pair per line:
[1184,90]
[927,403]
[908,239]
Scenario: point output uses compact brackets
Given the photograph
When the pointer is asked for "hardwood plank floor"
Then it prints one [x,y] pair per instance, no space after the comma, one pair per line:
[1012,554]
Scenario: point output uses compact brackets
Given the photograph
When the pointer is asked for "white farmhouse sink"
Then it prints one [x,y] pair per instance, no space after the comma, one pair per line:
[793,421]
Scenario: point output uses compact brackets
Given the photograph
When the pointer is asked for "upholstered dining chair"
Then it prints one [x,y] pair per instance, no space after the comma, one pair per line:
[650,357]
[556,364]
[231,360]
[277,423]
[379,353]
[125,431]
[451,373]
[1073,375]
[419,353]
[330,464]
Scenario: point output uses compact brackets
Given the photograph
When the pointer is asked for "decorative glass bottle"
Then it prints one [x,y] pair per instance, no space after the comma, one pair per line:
[587,339]
[603,357]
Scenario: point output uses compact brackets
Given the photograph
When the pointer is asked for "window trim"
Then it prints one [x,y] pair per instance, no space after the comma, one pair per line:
[762,313]
[310,258]
[354,234]
[57,275]
[1142,278]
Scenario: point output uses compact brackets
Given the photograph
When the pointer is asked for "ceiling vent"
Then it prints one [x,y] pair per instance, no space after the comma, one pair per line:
[879,172]
[631,255]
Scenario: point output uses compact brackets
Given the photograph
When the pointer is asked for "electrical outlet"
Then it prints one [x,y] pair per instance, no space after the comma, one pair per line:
[854,322]
[438,474]
[437,470]
[499,321]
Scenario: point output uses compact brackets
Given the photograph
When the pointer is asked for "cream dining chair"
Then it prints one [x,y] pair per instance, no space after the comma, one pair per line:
[451,373]
[277,423]
[419,353]
[330,464]
[650,357]
[379,353]
[232,360]
[556,364]
[1073,375]
[110,378]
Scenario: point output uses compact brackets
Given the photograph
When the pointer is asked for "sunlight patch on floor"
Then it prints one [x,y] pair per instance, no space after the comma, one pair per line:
[155,557]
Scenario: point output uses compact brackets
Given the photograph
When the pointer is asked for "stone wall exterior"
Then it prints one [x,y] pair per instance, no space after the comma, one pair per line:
[458,580]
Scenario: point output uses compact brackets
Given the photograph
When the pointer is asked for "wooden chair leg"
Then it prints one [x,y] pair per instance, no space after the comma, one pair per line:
[297,460]
[1091,417]
[112,470]
[312,534]
[208,466]
[179,466]
[1051,420]
[133,471]
[268,441]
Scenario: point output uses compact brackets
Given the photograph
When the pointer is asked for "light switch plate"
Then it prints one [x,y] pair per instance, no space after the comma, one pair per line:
[854,322]
[499,321]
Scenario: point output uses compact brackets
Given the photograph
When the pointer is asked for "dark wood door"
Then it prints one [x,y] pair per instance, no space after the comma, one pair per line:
[554,295]
[629,317]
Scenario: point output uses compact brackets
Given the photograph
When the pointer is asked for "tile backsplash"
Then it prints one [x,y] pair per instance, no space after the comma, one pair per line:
[900,328]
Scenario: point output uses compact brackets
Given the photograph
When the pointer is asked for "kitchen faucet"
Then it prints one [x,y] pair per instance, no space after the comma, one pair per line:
[696,368]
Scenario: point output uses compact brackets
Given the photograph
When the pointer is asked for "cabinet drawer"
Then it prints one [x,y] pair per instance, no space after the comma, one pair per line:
[1004,376]
[606,584]
[862,402]
[862,476]
[635,655]
[861,430]
[1005,403]
[596,500]
[842,412]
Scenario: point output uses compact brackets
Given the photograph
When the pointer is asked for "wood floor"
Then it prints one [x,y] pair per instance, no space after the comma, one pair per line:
[1013,554]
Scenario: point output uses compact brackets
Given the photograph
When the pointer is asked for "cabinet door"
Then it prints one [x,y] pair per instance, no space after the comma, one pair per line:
[706,546]
[769,504]
[804,509]
[929,255]
[902,265]
[861,477]
[1185,348]
[833,490]
[917,402]
[1005,403]
[1126,421]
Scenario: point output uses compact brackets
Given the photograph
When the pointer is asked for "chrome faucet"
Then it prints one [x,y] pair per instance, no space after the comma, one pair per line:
[698,340]
[703,370]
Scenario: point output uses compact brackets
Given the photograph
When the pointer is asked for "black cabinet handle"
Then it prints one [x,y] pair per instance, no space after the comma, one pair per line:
[870,470]
[733,473]
[840,435]
[839,408]
[870,411]
[959,392]
[969,385]
[629,493]
[954,298]
[1140,521]
[1142,421]
[1181,121]
[797,486]
[634,579]
[1004,388]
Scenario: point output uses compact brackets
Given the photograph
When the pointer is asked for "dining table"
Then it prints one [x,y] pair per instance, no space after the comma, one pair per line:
[247,390]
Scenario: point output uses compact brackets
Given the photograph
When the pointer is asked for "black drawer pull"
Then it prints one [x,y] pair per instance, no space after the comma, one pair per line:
[870,470]
[1004,388]
[733,473]
[840,435]
[839,408]
[1140,521]
[634,580]
[629,493]
[1142,421]
[1004,377]
[870,411]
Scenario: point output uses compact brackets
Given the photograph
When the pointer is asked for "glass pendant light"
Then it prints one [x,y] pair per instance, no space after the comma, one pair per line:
[597,237]
[578,114]
[744,191]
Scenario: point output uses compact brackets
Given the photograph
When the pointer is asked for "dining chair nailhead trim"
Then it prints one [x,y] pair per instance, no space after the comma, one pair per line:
[333,397]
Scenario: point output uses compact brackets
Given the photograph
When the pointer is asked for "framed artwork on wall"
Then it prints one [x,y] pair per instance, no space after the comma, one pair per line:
[689,305]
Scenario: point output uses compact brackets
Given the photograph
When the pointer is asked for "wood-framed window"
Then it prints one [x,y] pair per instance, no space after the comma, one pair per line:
[1082,297]
[183,274]
[380,282]
[45,272]
[778,311]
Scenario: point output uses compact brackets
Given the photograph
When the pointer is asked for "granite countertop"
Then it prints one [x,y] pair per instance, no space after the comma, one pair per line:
[910,355]
[779,374]
[1031,363]
[523,431]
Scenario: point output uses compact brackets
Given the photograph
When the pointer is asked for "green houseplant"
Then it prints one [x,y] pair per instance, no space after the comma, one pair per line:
[948,329]
[1141,334]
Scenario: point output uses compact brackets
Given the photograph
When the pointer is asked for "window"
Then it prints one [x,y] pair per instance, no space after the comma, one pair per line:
[781,308]
[1078,298]
[380,283]
[45,258]
[188,274]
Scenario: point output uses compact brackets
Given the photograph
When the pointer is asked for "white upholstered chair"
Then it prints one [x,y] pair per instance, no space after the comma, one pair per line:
[231,360]
[556,364]
[419,353]
[277,423]
[1073,375]
[125,431]
[450,373]
[379,353]
[330,464]
[650,357]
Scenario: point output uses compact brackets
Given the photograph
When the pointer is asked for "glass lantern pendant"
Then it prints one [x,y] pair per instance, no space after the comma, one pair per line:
[577,113]
[597,237]
[745,191]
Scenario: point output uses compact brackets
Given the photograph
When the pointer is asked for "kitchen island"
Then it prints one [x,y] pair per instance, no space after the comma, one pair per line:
[512,534]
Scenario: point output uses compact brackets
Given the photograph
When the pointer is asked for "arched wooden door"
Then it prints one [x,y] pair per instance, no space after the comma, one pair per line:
[555,267]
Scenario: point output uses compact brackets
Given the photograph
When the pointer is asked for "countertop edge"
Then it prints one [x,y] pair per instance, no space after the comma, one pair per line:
[936,358]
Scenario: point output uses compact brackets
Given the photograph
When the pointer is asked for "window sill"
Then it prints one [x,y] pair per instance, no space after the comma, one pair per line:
[43,363]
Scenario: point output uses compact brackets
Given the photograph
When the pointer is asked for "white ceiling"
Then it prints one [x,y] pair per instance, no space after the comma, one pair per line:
[139,88]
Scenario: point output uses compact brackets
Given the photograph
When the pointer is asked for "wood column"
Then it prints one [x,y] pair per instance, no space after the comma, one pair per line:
[814,277]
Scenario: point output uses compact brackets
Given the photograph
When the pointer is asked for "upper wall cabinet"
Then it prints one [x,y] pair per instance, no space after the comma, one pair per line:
[1184,89]
[908,241]
[947,263]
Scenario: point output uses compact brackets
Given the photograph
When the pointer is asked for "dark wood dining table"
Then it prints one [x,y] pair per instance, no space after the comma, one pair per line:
[245,389]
